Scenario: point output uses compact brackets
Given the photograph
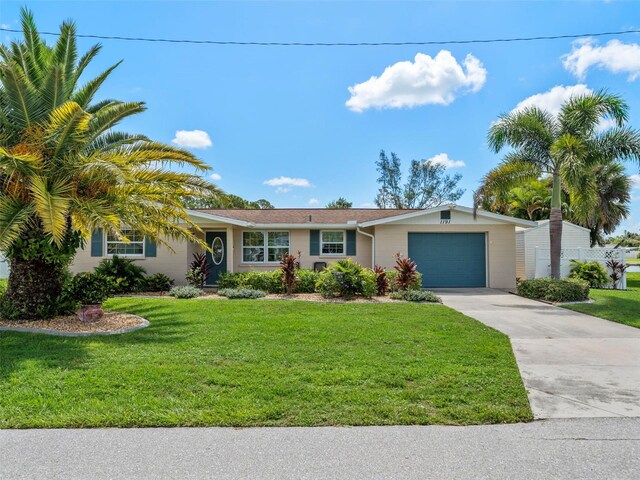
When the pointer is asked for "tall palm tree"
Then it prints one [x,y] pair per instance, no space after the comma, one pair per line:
[561,146]
[613,193]
[65,171]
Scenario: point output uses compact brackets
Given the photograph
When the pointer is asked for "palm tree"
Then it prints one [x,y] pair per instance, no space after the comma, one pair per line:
[65,171]
[613,193]
[561,146]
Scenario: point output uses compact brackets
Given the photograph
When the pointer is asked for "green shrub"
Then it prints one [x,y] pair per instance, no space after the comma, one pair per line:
[393,284]
[346,278]
[269,281]
[554,290]
[241,293]
[416,296]
[229,280]
[593,273]
[185,292]
[158,282]
[126,274]
[90,288]
[307,280]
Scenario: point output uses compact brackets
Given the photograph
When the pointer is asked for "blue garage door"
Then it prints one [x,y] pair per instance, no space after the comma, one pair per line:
[450,259]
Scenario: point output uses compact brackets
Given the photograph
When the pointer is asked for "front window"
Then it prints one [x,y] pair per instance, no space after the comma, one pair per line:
[332,242]
[133,248]
[265,246]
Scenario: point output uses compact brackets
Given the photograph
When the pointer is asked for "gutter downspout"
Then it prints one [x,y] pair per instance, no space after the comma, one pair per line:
[373,245]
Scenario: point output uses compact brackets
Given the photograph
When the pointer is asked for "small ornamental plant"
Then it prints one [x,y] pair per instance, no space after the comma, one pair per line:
[382,282]
[617,272]
[407,275]
[289,266]
[197,273]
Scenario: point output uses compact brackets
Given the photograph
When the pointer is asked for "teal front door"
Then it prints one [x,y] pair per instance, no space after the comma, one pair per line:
[217,258]
[450,259]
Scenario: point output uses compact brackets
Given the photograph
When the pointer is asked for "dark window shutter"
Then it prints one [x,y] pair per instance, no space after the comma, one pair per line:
[314,242]
[97,240]
[149,247]
[351,242]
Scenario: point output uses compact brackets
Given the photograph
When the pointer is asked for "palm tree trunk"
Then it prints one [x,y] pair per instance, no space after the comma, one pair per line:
[33,289]
[555,227]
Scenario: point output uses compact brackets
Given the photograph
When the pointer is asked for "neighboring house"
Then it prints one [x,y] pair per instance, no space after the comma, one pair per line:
[527,239]
[451,246]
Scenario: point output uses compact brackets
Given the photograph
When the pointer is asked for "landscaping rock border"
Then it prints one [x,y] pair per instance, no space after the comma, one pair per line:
[61,333]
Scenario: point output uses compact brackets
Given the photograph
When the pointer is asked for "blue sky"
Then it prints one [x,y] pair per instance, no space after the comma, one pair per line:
[273,112]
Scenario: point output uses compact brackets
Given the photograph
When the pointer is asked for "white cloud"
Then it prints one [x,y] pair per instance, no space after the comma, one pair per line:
[192,139]
[5,25]
[287,182]
[313,201]
[635,181]
[425,81]
[444,160]
[215,176]
[615,56]
[552,99]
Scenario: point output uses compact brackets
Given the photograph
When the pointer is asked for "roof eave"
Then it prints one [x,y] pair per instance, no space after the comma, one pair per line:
[480,213]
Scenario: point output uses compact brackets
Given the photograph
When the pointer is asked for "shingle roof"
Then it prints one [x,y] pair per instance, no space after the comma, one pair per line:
[309,216]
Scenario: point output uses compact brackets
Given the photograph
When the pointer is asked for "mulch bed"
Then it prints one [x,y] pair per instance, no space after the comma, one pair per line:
[111,322]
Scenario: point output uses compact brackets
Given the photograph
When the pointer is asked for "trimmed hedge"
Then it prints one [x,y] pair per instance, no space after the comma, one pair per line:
[554,290]
[268,281]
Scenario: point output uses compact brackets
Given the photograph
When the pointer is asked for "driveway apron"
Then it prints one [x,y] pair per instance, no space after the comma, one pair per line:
[572,364]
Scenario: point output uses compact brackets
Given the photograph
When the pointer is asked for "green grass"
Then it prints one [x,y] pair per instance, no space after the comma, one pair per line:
[633,261]
[253,363]
[617,305]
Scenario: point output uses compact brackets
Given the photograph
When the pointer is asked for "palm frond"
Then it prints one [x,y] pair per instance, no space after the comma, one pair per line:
[14,215]
[84,96]
[51,201]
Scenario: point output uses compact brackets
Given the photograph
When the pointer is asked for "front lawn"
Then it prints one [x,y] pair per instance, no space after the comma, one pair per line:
[617,305]
[257,362]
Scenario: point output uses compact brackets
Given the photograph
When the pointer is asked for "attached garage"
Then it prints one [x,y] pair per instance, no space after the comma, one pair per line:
[450,260]
[453,246]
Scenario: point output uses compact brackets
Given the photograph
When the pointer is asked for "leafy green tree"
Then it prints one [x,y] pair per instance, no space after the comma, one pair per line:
[613,194]
[340,203]
[427,186]
[66,170]
[562,146]
[225,200]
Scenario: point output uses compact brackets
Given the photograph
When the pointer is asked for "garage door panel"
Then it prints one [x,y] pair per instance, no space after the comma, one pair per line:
[450,259]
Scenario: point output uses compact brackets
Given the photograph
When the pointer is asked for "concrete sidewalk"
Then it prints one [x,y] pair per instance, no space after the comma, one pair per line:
[578,448]
[573,365]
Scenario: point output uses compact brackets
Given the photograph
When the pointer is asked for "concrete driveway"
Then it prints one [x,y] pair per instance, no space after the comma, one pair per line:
[572,365]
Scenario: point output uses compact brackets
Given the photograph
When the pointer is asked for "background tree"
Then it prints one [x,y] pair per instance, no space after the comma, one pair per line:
[563,146]
[427,186]
[341,202]
[220,199]
[613,194]
[65,170]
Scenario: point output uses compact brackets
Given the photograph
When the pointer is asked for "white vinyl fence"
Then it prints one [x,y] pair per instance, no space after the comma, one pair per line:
[4,267]
[601,255]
